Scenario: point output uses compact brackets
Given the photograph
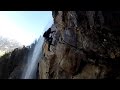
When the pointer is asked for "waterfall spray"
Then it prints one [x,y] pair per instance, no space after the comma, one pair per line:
[33,62]
[31,67]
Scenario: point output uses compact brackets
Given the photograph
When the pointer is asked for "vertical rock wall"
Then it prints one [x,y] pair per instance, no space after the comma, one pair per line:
[86,46]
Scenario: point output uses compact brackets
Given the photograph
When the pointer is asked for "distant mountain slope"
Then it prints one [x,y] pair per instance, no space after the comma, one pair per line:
[13,63]
[7,45]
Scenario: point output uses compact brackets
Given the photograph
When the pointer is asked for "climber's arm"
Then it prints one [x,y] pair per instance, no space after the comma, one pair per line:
[52,31]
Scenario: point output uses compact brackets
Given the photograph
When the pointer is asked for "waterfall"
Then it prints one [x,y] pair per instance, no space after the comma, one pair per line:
[30,69]
[33,60]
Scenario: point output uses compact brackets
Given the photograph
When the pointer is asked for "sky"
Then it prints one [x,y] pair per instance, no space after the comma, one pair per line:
[24,26]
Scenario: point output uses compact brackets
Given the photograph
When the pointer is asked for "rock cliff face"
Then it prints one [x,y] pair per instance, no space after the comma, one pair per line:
[86,46]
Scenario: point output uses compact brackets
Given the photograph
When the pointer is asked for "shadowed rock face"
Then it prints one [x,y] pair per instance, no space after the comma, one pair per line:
[11,64]
[86,46]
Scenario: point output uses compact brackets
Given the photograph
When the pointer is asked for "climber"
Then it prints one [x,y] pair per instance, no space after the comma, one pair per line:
[46,35]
